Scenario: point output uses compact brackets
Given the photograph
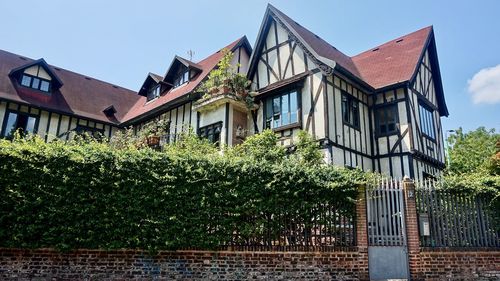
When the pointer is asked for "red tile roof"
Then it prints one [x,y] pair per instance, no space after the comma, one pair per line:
[141,107]
[88,97]
[80,95]
[394,61]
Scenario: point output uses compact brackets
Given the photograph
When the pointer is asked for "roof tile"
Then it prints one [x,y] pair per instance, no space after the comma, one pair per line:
[80,95]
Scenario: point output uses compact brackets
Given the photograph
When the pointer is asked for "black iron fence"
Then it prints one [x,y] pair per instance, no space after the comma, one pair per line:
[320,227]
[453,219]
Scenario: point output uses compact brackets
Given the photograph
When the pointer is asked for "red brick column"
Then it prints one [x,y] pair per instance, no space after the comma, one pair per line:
[362,233]
[411,221]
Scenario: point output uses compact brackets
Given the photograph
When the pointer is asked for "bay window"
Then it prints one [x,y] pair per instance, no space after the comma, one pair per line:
[281,110]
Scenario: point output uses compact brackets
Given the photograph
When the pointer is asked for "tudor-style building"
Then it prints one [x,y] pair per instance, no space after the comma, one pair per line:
[379,110]
[57,103]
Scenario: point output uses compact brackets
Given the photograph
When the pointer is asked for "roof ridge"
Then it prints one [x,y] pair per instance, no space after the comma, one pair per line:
[58,68]
[225,47]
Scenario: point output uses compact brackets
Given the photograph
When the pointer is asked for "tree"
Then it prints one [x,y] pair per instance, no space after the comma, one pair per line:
[262,147]
[472,151]
[475,165]
[307,149]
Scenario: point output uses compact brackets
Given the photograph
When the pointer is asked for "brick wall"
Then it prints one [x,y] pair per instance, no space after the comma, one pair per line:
[352,264]
[412,232]
[46,264]
[459,264]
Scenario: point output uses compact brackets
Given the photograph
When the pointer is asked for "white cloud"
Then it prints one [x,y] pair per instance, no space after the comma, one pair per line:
[485,85]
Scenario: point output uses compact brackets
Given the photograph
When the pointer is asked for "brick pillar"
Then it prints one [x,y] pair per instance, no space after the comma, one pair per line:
[411,221]
[361,233]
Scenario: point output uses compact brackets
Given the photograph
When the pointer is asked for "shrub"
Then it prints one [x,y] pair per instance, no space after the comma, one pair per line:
[86,194]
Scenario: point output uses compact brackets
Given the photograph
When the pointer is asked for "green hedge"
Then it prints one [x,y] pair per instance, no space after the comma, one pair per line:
[90,195]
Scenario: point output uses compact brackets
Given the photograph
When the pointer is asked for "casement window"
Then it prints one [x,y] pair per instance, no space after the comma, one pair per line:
[182,78]
[84,131]
[350,110]
[34,82]
[386,119]
[153,93]
[19,121]
[282,110]
[211,132]
[427,121]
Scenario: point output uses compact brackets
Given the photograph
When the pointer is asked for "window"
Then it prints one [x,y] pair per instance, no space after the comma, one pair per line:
[36,83]
[182,77]
[153,93]
[350,110]
[426,121]
[26,81]
[44,86]
[386,119]
[211,132]
[22,121]
[282,110]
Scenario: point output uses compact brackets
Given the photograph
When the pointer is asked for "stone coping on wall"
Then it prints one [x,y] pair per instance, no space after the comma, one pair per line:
[349,250]
[459,249]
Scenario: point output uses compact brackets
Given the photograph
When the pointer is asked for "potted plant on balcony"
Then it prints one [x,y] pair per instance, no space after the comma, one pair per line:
[224,82]
[152,132]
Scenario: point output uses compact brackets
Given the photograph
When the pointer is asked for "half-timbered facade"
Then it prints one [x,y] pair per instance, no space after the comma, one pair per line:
[57,104]
[379,110]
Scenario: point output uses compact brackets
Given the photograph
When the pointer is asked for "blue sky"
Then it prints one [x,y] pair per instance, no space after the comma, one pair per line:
[121,41]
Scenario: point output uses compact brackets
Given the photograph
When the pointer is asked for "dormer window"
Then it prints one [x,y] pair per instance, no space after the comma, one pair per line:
[182,77]
[36,75]
[180,72]
[154,92]
[36,83]
[37,78]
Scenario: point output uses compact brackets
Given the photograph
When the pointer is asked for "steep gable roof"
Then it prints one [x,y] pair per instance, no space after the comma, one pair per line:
[391,63]
[157,78]
[79,95]
[150,79]
[174,67]
[142,108]
[318,45]
[394,61]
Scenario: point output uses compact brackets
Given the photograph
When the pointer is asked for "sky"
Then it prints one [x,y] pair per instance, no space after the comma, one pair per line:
[120,41]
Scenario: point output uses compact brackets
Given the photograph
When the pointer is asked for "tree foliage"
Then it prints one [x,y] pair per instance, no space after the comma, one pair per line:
[472,151]
[474,165]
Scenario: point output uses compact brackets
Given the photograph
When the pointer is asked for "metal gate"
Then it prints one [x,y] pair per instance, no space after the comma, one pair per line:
[387,248]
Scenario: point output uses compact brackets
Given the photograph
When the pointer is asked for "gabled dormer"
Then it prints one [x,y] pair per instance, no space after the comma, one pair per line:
[152,87]
[38,76]
[180,72]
